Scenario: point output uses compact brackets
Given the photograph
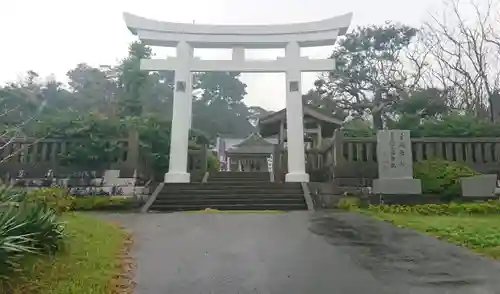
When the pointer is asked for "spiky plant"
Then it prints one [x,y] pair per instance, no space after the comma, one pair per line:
[13,245]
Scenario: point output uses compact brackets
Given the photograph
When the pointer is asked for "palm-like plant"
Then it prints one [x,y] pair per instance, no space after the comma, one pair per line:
[25,228]
[13,246]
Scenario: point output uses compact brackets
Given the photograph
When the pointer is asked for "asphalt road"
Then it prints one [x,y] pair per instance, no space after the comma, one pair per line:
[297,253]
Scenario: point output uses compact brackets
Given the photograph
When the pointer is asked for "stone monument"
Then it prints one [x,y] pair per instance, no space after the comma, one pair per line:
[112,177]
[395,164]
[481,186]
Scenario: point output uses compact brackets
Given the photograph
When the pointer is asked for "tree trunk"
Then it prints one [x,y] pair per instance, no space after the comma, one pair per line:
[378,123]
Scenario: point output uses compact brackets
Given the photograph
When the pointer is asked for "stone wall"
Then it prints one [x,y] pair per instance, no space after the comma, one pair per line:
[353,161]
[33,158]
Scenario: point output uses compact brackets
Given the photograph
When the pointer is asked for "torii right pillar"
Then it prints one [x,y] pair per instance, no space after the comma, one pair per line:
[294,116]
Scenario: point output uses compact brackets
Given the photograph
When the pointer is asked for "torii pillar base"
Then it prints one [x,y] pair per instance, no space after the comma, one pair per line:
[297,178]
[177,177]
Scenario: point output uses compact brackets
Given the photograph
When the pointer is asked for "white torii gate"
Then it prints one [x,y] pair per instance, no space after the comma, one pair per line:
[186,37]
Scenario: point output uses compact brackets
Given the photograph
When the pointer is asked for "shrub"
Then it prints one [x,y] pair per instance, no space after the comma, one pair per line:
[452,208]
[442,177]
[54,198]
[103,203]
[348,203]
[27,225]
[42,223]
[212,162]
[12,244]
[455,125]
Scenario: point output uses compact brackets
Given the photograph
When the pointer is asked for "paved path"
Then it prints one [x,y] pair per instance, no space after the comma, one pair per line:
[297,253]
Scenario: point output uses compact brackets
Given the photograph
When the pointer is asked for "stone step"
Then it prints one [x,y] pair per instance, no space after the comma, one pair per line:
[231,187]
[263,177]
[229,181]
[227,185]
[248,194]
[228,177]
[231,193]
[239,177]
[247,206]
[242,173]
[230,196]
[228,200]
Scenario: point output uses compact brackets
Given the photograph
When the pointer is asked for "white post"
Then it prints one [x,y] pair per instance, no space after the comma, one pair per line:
[181,117]
[294,117]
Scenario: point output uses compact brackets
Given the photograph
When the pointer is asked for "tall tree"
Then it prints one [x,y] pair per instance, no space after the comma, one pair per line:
[220,108]
[132,81]
[422,104]
[465,53]
[93,88]
[316,98]
[369,75]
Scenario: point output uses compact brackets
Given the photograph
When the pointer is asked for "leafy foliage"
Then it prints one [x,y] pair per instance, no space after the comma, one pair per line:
[13,246]
[56,199]
[94,146]
[103,203]
[455,125]
[368,76]
[442,177]
[452,208]
[26,227]
[348,203]
[93,249]
[358,128]
[212,162]
[93,89]
[132,80]
[447,126]
[220,108]
[154,135]
[121,91]
[43,225]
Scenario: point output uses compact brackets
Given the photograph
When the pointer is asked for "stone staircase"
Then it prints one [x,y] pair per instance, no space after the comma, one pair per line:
[231,191]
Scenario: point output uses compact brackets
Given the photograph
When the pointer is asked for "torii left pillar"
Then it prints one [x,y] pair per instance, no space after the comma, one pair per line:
[294,117]
[181,116]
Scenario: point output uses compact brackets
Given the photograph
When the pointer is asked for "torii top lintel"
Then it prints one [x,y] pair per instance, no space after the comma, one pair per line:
[318,33]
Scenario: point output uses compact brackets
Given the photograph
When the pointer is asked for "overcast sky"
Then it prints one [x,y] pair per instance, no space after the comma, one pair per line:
[52,36]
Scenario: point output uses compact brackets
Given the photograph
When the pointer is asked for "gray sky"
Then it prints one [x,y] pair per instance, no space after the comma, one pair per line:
[52,36]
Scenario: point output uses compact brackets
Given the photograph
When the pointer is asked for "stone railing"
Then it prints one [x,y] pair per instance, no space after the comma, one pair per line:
[356,158]
[34,158]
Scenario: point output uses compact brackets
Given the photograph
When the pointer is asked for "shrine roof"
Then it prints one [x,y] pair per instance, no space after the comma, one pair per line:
[253,144]
[269,125]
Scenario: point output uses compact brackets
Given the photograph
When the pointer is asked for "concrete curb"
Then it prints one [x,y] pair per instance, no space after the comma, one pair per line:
[152,198]
[307,196]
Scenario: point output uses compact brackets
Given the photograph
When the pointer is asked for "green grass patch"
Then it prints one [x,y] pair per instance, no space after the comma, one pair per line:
[88,264]
[481,233]
[490,207]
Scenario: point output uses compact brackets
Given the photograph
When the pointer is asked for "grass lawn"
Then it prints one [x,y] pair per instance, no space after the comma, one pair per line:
[91,262]
[481,233]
